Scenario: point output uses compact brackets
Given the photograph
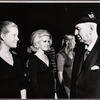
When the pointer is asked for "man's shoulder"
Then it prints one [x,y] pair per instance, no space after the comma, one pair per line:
[97,44]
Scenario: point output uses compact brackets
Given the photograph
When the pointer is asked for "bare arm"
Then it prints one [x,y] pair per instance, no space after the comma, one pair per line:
[60,76]
[60,64]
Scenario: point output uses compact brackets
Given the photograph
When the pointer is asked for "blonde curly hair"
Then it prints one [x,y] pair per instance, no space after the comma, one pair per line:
[36,36]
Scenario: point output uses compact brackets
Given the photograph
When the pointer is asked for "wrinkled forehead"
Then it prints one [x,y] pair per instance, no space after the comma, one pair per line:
[85,24]
[80,25]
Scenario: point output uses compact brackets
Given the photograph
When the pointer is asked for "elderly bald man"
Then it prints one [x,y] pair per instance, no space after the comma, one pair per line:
[85,81]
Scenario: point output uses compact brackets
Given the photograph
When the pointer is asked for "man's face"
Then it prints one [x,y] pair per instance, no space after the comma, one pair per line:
[82,31]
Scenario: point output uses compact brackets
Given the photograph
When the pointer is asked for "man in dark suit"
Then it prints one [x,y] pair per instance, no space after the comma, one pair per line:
[85,81]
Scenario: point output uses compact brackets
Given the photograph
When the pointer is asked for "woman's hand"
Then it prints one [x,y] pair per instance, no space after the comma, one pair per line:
[23,94]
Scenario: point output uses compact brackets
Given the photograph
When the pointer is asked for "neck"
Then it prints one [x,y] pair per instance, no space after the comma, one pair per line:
[4,49]
[93,38]
[40,52]
[68,50]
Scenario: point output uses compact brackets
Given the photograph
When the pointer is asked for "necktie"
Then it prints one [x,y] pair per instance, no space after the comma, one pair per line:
[86,53]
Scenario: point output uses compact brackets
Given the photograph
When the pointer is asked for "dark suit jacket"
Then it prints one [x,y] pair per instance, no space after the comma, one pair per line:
[86,84]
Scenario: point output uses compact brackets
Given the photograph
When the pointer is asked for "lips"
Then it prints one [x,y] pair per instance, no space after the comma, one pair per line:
[79,38]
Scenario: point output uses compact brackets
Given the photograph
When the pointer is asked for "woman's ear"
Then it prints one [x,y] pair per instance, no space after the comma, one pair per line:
[2,36]
[36,45]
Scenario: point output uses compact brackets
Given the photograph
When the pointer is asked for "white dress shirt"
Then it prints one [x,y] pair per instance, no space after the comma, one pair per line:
[89,48]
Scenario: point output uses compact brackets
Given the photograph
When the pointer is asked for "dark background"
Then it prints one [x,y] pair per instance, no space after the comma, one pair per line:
[58,18]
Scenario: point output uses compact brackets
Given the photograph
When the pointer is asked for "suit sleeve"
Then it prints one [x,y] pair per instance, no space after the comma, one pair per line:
[33,77]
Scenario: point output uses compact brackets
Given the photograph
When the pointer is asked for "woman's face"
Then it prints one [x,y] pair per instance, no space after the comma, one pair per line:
[11,38]
[71,42]
[44,43]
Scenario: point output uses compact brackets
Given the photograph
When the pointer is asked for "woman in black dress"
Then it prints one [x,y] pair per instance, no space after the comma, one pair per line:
[40,67]
[11,78]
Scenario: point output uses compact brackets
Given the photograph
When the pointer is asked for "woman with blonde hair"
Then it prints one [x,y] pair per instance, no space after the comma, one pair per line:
[12,83]
[64,65]
[40,67]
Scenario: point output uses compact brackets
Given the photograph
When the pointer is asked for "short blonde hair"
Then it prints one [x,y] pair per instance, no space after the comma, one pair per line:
[36,37]
[4,27]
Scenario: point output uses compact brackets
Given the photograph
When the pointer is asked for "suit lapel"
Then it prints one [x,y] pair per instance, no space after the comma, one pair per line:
[91,59]
[80,64]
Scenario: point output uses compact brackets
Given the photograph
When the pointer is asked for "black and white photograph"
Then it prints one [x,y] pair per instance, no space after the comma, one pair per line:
[49,49]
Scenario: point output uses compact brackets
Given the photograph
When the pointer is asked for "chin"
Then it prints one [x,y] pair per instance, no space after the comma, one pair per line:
[46,50]
[81,41]
[15,46]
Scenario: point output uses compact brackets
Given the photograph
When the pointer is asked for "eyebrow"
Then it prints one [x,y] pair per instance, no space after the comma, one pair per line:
[78,28]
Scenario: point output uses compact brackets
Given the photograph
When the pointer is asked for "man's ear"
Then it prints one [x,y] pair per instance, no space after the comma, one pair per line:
[91,29]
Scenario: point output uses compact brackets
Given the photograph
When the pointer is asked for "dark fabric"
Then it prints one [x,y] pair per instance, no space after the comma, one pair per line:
[11,79]
[86,53]
[87,17]
[41,78]
[61,92]
[86,84]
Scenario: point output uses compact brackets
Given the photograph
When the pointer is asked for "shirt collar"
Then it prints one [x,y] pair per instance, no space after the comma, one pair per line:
[89,48]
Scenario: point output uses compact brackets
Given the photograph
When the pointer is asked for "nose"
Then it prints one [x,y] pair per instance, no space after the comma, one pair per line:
[48,43]
[75,42]
[76,32]
[17,38]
